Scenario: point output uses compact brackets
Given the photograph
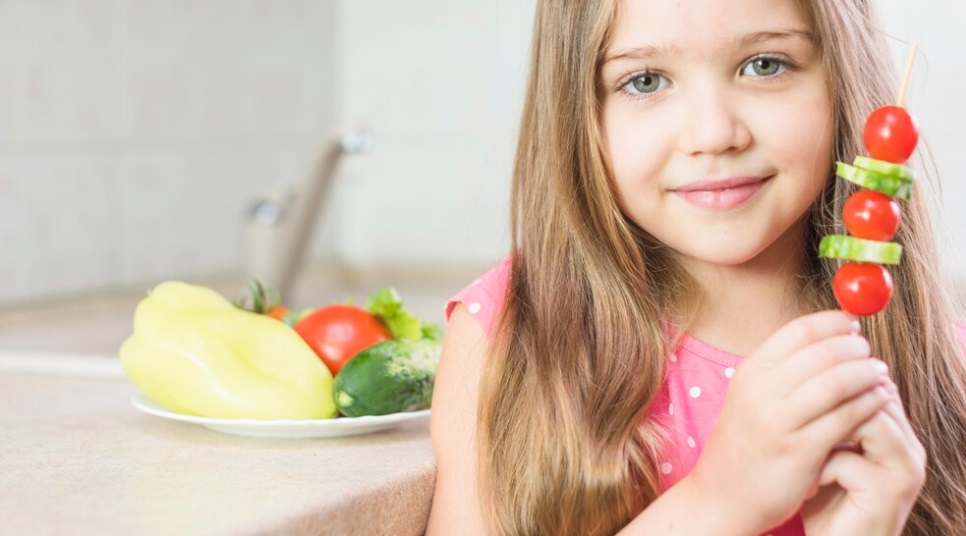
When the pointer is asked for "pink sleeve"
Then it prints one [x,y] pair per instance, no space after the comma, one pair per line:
[484,297]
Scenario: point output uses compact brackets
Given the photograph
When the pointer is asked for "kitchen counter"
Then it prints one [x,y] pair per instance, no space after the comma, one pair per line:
[77,458]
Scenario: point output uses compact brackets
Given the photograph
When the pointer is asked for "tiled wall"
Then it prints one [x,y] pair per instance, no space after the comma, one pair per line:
[442,85]
[134,133]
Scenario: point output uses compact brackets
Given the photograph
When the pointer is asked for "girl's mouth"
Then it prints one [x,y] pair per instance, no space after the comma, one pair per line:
[721,194]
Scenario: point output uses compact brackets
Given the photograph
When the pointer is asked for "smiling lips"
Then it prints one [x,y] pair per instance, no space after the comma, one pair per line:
[720,194]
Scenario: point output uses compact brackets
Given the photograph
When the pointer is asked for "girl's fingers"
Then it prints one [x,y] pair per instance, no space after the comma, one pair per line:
[801,333]
[847,469]
[898,414]
[890,439]
[879,483]
[819,357]
[831,388]
[842,422]
[886,447]
[881,438]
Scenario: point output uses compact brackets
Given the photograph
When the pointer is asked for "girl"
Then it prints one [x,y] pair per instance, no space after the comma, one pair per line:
[672,182]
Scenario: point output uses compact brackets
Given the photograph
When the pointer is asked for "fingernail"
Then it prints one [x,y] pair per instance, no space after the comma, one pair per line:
[881,367]
[856,327]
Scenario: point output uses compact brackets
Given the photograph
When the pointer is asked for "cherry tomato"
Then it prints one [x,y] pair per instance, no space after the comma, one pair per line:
[278,312]
[871,215]
[891,134]
[861,288]
[338,332]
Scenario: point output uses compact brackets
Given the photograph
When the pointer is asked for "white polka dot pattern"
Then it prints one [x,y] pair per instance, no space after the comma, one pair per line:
[475,307]
[695,392]
[729,372]
[666,468]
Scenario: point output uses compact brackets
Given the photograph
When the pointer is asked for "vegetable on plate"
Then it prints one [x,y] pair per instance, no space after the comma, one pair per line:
[390,377]
[336,333]
[339,332]
[195,352]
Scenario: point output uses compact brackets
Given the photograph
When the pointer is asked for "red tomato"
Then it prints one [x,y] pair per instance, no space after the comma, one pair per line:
[278,312]
[891,134]
[871,215]
[861,288]
[338,332]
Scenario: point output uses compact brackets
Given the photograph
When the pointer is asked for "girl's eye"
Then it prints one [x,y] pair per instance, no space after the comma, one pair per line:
[763,66]
[645,84]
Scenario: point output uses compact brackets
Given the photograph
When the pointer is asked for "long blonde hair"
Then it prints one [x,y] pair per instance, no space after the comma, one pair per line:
[564,447]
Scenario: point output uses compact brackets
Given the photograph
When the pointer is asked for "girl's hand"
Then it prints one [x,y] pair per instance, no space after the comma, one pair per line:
[806,389]
[872,489]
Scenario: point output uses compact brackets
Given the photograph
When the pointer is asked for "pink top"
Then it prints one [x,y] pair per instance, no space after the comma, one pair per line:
[690,400]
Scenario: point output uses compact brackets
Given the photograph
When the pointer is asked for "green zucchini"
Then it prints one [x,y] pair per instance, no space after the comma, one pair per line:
[884,168]
[389,377]
[859,250]
[889,185]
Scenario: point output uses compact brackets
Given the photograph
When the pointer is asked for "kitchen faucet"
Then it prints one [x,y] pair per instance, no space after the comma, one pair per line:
[280,225]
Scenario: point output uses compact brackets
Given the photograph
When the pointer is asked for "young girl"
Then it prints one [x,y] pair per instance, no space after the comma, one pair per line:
[661,354]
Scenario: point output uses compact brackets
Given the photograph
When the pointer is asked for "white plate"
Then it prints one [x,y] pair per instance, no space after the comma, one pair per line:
[339,427]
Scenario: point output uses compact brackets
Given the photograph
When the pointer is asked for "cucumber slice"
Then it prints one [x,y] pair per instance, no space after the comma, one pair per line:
[859,250]
[886,184]
[884,168]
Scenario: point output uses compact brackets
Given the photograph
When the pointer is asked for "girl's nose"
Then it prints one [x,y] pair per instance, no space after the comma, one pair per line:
[714,124]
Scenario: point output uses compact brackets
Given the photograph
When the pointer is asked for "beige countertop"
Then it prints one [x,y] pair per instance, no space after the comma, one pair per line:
[77,458]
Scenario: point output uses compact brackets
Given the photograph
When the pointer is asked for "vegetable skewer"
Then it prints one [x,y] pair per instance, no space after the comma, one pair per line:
[862,286]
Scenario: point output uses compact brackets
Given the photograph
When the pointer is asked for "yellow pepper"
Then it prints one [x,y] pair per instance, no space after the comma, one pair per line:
[194,352]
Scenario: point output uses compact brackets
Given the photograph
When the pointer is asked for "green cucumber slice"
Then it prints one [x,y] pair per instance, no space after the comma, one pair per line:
[884,168]
[859,249]
[890,186]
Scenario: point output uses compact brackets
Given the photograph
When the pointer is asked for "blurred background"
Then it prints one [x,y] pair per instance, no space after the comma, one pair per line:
[136,136]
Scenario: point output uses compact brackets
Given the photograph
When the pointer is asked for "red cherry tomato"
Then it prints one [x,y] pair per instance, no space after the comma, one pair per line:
[891,134]
[278,312]
[338,332]
[871,215]
[861,288]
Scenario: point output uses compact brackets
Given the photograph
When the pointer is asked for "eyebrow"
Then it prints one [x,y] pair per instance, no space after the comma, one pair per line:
[650,51]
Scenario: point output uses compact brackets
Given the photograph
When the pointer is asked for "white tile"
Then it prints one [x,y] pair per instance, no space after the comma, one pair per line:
[442,84]
[423,65]
[182,216]
[59,78]
[172,224]
[56,222]
[15,235]
[229,69]
[427,198]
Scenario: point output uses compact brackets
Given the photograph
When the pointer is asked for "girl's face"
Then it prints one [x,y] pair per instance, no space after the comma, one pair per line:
[718,124]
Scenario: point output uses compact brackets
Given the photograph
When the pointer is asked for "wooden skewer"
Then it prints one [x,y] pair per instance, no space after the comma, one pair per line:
[905,77]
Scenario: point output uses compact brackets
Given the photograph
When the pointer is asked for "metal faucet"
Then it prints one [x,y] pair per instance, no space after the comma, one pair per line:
[280,224]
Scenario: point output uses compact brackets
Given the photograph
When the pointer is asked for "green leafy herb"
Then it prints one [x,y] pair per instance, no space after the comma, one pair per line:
[433,331]
[387,305]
